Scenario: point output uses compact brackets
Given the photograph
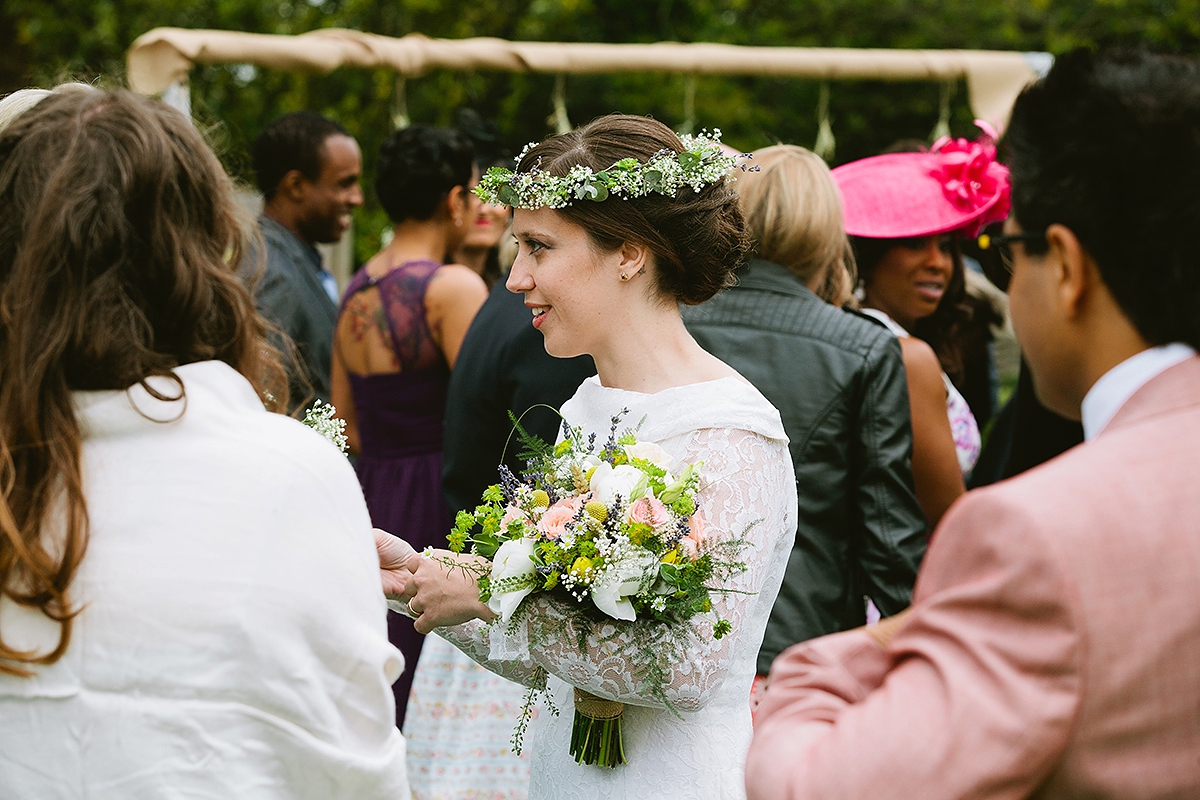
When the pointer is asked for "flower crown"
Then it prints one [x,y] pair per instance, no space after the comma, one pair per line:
[702,163]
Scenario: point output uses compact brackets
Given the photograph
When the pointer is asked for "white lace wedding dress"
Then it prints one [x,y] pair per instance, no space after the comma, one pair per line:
[748,490]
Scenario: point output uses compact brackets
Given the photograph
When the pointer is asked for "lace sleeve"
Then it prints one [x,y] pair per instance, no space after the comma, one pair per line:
[747,483]
[473,639]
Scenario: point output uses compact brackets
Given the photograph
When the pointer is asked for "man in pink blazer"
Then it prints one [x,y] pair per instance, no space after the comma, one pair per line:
[1053,646]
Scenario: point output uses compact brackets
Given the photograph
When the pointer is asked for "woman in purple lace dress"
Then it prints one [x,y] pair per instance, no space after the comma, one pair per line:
[402,321]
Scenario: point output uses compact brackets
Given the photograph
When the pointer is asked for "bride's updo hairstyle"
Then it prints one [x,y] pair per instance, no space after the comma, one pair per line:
[698,238]
[119,245]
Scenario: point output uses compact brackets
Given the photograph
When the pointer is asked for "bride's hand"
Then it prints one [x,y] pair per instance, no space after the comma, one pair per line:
[394,555]
[444,590]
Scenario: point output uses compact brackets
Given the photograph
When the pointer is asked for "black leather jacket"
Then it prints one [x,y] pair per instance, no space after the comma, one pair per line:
[838,381]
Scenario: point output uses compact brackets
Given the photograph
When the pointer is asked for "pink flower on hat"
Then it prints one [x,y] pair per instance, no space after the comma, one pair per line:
[970,176]
[957,186]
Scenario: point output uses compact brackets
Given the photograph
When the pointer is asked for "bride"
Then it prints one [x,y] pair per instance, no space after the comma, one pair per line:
[603,271]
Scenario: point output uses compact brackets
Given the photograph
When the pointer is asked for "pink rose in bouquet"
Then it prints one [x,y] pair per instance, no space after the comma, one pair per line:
[512,513]
[650,511]
[553,523]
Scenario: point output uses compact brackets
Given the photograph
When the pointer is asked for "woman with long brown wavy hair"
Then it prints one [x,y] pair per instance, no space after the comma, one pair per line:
[153,512]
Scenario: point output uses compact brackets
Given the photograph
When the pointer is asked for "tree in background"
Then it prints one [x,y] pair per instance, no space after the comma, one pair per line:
[45,41]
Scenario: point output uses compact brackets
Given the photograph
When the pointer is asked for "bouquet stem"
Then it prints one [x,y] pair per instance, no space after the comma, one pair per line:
[596,732]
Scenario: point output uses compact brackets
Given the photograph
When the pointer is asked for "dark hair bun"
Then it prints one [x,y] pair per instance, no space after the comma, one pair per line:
[418,166]
[698,238]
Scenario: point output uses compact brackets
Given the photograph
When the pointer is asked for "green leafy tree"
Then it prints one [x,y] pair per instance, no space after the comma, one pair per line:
[44,41]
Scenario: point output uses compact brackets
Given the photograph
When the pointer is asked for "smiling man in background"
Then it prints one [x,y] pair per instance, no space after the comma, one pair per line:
[307,168]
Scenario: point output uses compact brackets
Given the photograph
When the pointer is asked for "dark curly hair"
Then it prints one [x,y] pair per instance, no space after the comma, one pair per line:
[1108,145]
[294,141]
[959,319]
[698,238]
[418,166]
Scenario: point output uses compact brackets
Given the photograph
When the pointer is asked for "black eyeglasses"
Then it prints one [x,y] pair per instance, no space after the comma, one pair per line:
[1000,244]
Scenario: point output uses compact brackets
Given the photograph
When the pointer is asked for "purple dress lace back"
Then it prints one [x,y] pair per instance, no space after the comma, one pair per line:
[400,429]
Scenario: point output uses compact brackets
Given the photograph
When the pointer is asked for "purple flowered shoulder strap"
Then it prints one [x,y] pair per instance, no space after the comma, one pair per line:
[402,294]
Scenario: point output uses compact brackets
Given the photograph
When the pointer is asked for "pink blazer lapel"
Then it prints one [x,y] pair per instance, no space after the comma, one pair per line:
[1172,390]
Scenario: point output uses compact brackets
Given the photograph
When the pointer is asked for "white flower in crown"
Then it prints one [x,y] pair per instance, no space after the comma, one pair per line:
[701,163]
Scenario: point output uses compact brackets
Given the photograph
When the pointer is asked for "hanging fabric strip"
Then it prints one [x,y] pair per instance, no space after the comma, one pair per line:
[825,144]
[400,117]
[559,119]
[942,128]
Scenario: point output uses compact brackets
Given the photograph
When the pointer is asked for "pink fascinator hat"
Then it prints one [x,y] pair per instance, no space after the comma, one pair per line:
[957,185]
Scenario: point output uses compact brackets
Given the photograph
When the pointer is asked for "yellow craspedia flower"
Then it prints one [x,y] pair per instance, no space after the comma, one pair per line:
[581,567]
[540,499]
[596,510]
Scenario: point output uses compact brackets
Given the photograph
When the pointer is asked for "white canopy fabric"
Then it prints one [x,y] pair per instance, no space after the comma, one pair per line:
[164,56]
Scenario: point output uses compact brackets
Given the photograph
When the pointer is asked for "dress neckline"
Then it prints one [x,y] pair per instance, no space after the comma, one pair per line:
[895,327]
[595,380]
[395,267]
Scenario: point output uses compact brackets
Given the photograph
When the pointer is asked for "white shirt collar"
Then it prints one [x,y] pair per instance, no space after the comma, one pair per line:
[1115,387]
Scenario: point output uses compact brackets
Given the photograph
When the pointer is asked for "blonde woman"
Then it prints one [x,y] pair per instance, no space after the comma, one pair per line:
[837,379]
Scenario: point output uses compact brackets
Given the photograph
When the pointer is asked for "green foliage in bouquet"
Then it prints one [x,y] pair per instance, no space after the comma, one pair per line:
[611,533]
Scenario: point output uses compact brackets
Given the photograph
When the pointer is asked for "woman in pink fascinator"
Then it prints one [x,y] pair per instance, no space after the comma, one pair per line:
[905,214]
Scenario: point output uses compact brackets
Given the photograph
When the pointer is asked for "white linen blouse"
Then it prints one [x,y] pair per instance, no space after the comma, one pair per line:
[232,640]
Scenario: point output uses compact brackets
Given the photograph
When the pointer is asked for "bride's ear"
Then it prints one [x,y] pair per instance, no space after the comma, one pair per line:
[632,260]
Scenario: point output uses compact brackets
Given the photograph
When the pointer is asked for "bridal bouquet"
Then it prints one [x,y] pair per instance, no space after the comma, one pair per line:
[615,534]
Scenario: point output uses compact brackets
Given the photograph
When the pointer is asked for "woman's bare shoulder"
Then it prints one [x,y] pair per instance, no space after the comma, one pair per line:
[922,370]
[455,281]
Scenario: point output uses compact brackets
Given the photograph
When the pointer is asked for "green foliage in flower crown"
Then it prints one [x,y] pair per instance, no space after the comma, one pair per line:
[700,164]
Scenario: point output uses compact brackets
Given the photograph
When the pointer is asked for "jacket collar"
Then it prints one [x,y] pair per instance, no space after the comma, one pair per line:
[1174,389]
[283,236]
[770,277]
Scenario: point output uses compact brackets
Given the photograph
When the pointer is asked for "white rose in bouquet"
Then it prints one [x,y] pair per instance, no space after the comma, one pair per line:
[608,482]
[512,562]
[623,579]
[649,451]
